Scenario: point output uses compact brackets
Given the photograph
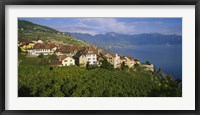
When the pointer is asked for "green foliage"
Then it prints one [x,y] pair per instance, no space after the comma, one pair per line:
[166,89]
[106,65]
[41,55]
[42,61]
[87,66]
[53,57]
[139,68]
[47,81]
[136,65]
[148,63]
[32,31]
[123,66]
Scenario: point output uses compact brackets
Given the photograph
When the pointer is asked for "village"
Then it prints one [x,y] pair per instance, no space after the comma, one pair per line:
[71,55]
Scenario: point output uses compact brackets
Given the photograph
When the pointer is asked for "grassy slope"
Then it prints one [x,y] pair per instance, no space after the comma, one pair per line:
[28,30]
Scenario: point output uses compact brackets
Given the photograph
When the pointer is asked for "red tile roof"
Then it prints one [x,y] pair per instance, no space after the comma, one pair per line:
[130,57]
[122,57]
[87,50]
[67,49]
[62,57]
[44,46]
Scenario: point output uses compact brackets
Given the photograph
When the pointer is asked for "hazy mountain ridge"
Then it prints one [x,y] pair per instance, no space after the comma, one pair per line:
[113,39]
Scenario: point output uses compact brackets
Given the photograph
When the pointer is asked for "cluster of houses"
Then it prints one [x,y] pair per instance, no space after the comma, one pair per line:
[69,55]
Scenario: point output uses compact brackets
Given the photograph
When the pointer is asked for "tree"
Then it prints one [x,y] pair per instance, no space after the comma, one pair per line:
[53,57]
[41,55]
[88,65]
[148,63]
[123,66]
[106,65]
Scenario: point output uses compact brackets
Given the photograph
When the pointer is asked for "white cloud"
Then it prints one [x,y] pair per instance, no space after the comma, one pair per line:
[98,25]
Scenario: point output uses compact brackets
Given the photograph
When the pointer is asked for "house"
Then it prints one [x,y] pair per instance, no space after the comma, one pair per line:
[114,59]
[88,54]
[82,60]
[149,67]
[66,50]
[61,50]
[72,50]
[66,61]
[100,59]
[129,61]
[137,61]
[38,41]
[52,47]
[45,49]
[25,46]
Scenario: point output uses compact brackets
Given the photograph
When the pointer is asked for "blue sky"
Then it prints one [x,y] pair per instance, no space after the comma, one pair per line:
[119,25]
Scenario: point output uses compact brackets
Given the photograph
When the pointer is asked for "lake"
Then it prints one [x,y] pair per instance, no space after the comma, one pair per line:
[166,57]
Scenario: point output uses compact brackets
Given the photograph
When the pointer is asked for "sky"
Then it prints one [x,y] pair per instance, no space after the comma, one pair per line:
[95,26]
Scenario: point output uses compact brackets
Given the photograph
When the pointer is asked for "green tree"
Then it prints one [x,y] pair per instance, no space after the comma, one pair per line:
[53,57]
[41,55]
[123,66]
[88,65]
[148,63]
[106,65]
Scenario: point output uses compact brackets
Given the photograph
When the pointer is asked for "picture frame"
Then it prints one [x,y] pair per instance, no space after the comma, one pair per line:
[99,2]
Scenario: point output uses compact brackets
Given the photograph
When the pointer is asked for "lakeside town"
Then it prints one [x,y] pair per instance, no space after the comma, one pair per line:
[71,55]
[52,63]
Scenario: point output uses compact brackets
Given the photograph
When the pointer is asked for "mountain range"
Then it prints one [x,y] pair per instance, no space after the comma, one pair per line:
[29,30]
[124,40]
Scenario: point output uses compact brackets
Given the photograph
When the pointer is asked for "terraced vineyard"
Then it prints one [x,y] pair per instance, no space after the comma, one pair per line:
[31,31]
[47,81]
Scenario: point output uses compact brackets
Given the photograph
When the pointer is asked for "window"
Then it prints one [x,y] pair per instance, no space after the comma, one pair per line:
[93,58]
[65,61]
[70,60]
[89,58]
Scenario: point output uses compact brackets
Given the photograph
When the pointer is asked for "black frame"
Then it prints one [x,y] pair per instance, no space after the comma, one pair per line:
[99,2]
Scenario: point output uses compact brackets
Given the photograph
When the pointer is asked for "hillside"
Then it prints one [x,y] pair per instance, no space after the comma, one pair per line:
[31,31]
[116,39]
[36,78]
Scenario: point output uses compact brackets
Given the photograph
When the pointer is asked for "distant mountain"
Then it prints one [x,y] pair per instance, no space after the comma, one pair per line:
[116,39]
[31,31]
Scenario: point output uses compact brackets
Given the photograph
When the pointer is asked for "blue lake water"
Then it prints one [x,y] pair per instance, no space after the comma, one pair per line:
[167,58]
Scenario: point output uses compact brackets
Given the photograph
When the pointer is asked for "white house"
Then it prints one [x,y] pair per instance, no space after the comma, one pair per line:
[129,61]
[45,49]
[66,61]
[88,55]
[117,62]
[114,59]
[148,67]
[91,58]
